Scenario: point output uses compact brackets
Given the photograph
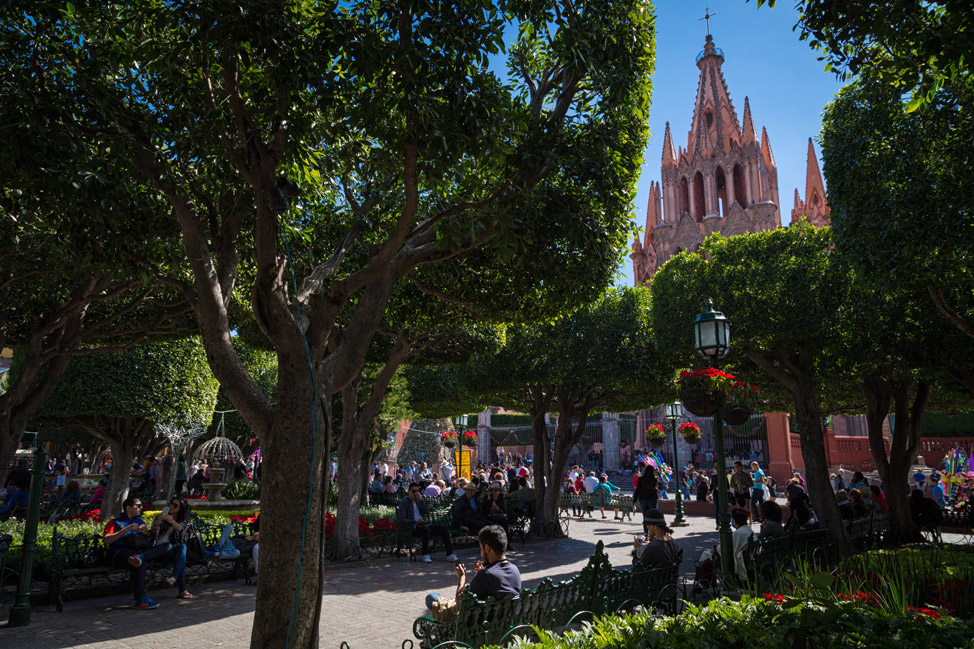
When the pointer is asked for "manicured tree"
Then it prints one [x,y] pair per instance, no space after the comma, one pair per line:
[784,299]
[899,191]
[411,151]
[62,293]
[898,349]
[596,359]
[120,397]
[918,46]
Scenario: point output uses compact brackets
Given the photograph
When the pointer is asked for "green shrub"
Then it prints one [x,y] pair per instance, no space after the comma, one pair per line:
[241,490]
[757,623]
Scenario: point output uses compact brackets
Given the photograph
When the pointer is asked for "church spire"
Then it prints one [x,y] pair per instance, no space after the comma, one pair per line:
[714,126]
[766,149]
[669,153]
[814,207]
[813,176]
[748,135]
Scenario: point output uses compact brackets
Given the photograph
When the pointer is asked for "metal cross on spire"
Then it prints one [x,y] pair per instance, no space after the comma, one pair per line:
[707,16]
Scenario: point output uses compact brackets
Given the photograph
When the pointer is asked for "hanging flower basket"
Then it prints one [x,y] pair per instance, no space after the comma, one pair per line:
[698,401]
[741,401]
[656,435]
[736,414]
[690,432]
[449,440]
[469,438]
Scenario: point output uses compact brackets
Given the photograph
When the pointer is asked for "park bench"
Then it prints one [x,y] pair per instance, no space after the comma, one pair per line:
[598,589]
[569,502]
[84,557]
[959,521]
[766,558]
[385,499]
[586,502]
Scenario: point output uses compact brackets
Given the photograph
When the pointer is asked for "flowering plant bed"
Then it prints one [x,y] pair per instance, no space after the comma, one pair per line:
[690,432]
[656,434]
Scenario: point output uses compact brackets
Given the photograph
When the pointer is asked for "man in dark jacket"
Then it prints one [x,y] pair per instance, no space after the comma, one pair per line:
[412,511]
[468,512]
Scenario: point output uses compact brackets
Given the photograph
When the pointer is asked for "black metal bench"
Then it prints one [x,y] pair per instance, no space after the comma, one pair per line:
[84,557]
[598,589]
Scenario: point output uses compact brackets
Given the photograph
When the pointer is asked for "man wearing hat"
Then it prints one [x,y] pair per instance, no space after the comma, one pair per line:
[412,511]
[468,512]
[661,549]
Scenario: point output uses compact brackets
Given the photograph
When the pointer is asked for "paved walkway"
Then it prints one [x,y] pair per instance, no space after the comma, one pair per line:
[369,606]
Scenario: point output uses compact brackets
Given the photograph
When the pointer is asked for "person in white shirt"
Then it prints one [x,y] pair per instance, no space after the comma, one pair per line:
[742,535]
[590,483]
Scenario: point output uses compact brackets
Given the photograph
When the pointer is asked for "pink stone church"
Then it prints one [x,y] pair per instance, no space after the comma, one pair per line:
[725,180]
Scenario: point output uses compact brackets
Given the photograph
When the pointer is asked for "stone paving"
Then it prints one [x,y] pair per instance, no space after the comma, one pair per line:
[370,606]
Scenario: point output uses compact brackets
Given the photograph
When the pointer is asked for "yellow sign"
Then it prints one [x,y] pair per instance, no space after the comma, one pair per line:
[462,460]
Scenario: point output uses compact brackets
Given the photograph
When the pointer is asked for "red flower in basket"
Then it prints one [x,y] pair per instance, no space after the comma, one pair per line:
[448,439]
[690,432]
[469,438]
[656,433]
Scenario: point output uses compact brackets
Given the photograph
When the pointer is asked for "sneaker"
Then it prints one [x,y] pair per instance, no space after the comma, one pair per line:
[136,560]
[427,559]
[145,603]
[452,557]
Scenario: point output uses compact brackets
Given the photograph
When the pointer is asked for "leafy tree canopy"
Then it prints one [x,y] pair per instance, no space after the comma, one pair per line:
[899,190]
[154,381]
[910,45]
[603,352]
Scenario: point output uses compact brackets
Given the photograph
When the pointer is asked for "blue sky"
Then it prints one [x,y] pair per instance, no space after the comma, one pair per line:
[763,60]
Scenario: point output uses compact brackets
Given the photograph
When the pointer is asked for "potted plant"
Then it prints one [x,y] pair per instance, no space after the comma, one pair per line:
[701,389]
[449,439]
[469,438]
[740,403]
[690,432]
[656,434]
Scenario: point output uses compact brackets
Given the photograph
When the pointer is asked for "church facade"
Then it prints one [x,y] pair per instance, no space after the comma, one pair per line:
[725,179]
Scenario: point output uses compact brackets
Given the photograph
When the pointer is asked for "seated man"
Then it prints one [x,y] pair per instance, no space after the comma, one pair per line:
[661,549]
[16,501]
[494,575]
[467,512]
[129,546]
[412,511]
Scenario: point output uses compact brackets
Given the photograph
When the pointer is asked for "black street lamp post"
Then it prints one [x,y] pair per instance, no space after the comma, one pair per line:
[673,412]
[711,340]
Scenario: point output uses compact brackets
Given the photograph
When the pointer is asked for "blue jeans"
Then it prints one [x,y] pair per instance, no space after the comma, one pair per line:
[686,492]
[177,554]
[430,598]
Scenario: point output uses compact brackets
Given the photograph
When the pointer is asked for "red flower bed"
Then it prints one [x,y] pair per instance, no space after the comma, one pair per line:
[365,529]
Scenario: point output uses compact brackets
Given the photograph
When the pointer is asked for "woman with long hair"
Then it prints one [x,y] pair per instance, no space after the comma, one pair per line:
[166,529]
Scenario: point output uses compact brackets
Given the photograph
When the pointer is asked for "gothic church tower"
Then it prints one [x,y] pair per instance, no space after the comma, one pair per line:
[725,180]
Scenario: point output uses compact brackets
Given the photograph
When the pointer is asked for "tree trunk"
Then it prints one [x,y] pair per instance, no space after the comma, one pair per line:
[349,496]
[816,464]
[123,455]
[539,433]
[291,527]
[564,441]
[351,448]
[894,470]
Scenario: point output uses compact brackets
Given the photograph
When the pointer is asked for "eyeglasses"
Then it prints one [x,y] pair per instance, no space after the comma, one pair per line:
[139,505]
[414,491]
